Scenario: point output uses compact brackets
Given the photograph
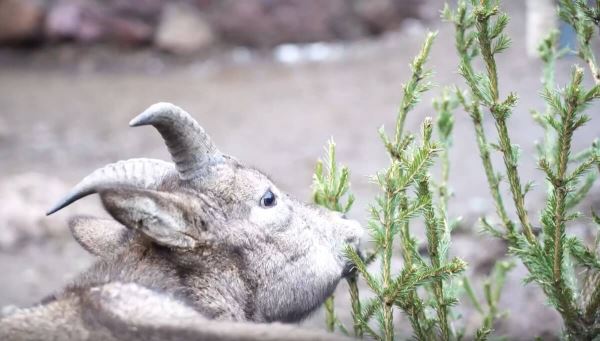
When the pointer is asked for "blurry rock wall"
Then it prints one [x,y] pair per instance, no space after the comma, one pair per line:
[193,25]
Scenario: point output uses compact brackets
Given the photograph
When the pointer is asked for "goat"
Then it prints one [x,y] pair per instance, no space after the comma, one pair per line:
[194,242]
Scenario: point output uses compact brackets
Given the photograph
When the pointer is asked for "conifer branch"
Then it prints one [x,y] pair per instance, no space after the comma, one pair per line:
[554,219]
[492,289]
[486,34]
[390,218]
[415,86]
[493,178]
[445,106]
[423,289]
[434,240]
[464,20]
[388,243]
[548,264]
[549,54]
[331,184]
[583,19]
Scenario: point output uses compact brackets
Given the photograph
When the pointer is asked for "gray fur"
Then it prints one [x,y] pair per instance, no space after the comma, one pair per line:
[205,247]
[128,312]
[100,237]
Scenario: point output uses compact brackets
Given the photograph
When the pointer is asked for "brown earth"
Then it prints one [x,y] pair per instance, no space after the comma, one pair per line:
[61,117]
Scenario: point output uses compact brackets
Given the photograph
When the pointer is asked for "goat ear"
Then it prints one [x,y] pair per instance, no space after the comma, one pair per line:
[163,217]
[100,237]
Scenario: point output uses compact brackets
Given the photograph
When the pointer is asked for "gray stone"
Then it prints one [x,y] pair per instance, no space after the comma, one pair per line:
[89,22]
[269,23]
[25,199]
[74,21]
[183,30]
[20,20]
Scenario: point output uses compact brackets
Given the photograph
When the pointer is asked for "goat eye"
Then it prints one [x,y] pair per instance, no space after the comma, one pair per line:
[268,199]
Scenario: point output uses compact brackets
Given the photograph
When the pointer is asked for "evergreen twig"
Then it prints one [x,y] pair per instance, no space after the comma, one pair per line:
[330,185]
[390,218]
[583,19]
[550,263]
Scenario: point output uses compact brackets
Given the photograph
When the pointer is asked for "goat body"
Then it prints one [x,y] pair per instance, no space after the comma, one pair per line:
[194,246]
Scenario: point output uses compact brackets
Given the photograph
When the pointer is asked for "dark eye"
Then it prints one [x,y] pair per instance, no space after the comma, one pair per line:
[268,199]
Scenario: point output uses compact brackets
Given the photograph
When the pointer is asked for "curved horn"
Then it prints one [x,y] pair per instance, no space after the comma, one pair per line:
[142,173]
[190,147]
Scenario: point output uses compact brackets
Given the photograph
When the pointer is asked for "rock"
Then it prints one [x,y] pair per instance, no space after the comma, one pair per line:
[190,25]
[147,10]
[90,23]
[74,21]
[182,29]
[129,31]
[270,23]
[23,208]
[25,199]
[8,310]
[20,20]
[265,23]
[468,246]
[377,14]
[382,15]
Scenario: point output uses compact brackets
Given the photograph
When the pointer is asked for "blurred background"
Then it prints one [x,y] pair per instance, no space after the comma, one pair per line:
[271,81]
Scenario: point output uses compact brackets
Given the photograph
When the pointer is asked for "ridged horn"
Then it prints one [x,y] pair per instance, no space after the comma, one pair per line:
[139,173]
[190,147]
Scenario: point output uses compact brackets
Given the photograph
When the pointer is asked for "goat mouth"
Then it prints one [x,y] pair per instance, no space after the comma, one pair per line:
[350,268]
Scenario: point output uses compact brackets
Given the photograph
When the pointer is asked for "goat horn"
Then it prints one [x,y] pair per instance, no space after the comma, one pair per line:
[190,147]
[141,173]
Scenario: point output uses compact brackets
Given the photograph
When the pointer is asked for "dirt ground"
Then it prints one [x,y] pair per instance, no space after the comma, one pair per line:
[63,116]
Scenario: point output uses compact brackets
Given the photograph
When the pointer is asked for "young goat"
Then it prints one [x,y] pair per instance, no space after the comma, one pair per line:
[206,235]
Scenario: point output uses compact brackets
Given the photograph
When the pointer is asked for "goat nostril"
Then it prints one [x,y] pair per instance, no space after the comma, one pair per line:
[351,240]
